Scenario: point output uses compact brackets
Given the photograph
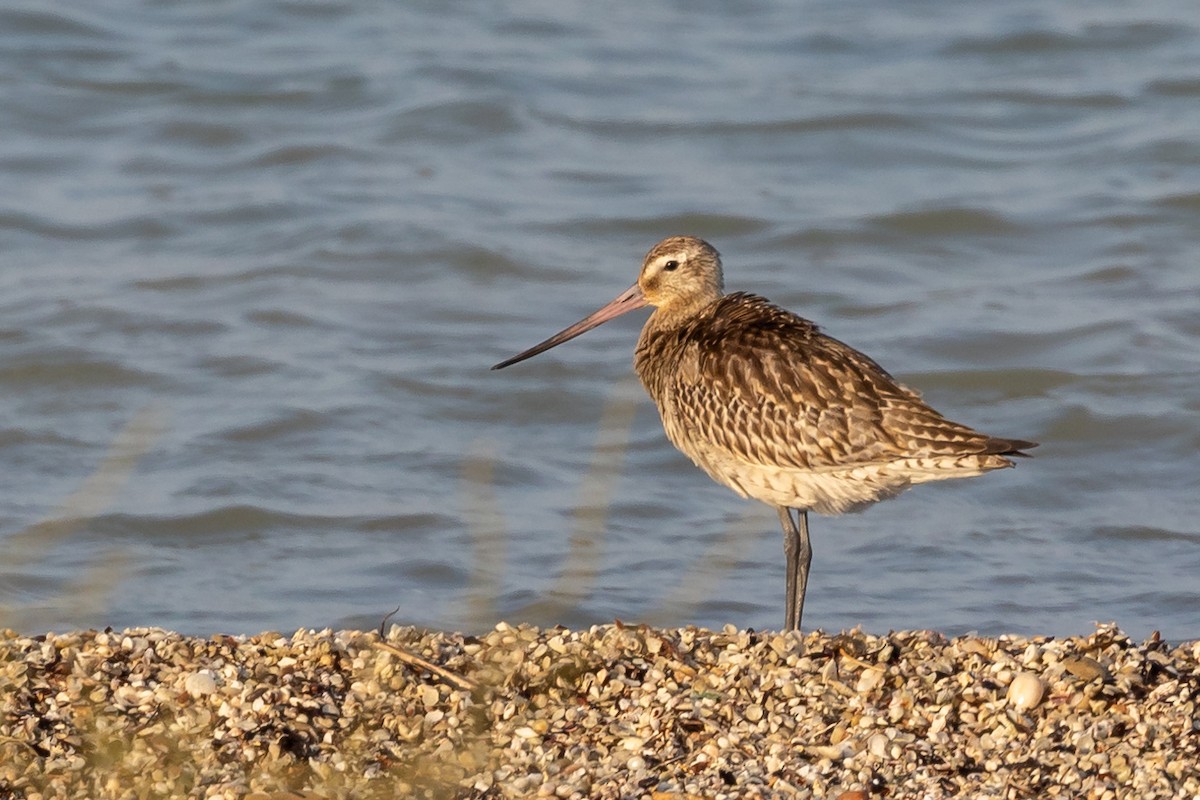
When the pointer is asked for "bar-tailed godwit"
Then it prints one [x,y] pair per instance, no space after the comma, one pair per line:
[774,409]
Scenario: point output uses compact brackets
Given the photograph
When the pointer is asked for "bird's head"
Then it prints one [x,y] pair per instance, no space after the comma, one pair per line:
[681,272]
[680,275]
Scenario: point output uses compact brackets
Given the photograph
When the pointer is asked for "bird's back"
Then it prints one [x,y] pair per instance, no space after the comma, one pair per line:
[770,406]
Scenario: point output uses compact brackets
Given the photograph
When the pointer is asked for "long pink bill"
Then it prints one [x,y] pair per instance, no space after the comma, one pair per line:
[629,300]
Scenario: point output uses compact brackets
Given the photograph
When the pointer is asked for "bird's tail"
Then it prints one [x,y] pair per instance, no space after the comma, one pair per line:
[1009,447]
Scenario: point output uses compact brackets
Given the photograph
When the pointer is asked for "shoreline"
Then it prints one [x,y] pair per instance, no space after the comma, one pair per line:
[613,711]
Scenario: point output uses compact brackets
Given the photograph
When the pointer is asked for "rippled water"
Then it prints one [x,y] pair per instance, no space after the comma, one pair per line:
[258,258]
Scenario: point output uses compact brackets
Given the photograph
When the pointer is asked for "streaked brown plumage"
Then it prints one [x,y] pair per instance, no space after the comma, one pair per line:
[771,407]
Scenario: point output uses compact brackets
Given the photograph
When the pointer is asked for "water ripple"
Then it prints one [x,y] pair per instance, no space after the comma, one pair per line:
[1102,38]
[309,230]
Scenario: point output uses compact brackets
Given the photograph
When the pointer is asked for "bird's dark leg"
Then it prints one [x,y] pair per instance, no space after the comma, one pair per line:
[798,553]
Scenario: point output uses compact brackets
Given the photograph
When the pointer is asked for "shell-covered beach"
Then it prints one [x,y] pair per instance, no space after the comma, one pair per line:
[614,711]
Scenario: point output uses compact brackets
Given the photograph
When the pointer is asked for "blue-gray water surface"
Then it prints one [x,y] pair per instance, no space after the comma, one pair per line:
[257,259]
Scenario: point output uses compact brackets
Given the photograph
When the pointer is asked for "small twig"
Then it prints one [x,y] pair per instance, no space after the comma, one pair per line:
[859,662]
[466,684]
[386,617]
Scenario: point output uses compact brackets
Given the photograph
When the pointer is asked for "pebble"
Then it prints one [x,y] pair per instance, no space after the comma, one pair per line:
[1085,668]
[612,711]
[1025,691]
[199,684]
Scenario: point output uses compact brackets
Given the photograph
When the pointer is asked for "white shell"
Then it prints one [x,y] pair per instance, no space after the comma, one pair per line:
[1025,691]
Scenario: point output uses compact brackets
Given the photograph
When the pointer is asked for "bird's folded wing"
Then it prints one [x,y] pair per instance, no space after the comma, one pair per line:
[768,388]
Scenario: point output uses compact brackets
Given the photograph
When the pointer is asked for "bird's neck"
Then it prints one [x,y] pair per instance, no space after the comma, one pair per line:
[664,340]
[680,312]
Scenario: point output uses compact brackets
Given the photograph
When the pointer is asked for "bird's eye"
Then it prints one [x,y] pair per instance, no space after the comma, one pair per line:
[671,265]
